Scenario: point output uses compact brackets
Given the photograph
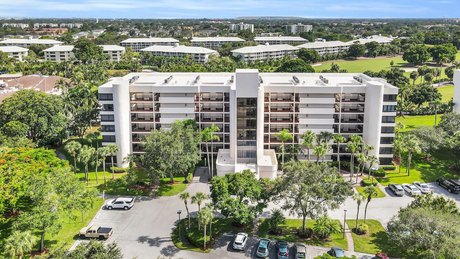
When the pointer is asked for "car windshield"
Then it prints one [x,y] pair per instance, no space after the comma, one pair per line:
[301,255]
[424,185]
[262,249]
[238,243]
[339,253]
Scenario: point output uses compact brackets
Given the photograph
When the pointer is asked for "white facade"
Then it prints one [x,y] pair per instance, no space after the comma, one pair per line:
[236,27]
[250,108]
[263,52]
[16,25]
[327,47]
[298,28]
[59,53]
[377,38]
[136,44]
[291,40]
[25,43]
[17,53]
[214,42]
[457,91]
[114,52]
[198,54]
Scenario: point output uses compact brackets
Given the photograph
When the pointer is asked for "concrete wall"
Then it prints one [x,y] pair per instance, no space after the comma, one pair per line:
[122,120]
[457,91]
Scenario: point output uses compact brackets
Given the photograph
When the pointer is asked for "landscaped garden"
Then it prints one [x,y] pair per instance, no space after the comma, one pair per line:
[380,194]
[372,242]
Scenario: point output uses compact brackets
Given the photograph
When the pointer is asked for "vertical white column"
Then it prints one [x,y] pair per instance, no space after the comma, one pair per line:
[122,120]
[373,109]
[233,114]
[260,124]
[457,91]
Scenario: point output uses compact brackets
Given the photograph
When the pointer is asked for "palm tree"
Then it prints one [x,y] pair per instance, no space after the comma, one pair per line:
[354,145]
[284,136]
[436,104]
[372,161]
[185,196]
[359,198]
[411,146]
[320,151]
[338,139]
[205,217]
[112,150]
[97,161]
[308,141]
[198,198]
[362,159]
[369,192]
[103,153]
[208,135]
[73,148]
[19,243]
[85,157]
[93,138]
[324,137]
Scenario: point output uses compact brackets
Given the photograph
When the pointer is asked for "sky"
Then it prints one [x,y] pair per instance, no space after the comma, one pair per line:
[230,8]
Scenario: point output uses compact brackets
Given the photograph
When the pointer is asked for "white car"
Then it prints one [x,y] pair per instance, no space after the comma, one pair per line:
[412,190]
[240,241]
[423,187]
[120,203]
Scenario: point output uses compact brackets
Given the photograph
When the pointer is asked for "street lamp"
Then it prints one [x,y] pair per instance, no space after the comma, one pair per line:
[344,221]
[178,213]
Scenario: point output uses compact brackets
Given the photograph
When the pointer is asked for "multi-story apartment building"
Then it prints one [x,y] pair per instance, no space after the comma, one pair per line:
[377,38]
[291,40]
[263,52]
[136,44]
[114,52]
[456,97]
[16,25]
[214,42]
[15,52]
[327,47]
[236,27]
[198,54]
[71,25]
[250,108]
[25,43]
[59,53]
[298,28]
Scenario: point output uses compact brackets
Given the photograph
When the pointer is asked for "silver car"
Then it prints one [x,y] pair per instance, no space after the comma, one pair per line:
[396,189]
[120,203]
[423,187]
[411,189]
[240,241]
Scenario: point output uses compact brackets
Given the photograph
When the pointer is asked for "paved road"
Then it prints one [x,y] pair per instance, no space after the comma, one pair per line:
[144,231]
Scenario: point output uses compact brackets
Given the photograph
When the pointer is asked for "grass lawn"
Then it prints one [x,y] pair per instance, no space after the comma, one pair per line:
[168,189]
[380,194]
[413,122]
[373,242]
[361,65]
[447,92]
[290,234]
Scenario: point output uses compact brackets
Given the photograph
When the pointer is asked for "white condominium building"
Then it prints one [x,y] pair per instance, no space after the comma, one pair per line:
[298,28]
[114,52]
[327,47]
[457,91]
[214,42]
[263,52]
[250,108]
[198,54]
[377,38]
[15,52]
[16,25]
[291,40]
[59,53]
[25,43]
[136,44]
[236,27]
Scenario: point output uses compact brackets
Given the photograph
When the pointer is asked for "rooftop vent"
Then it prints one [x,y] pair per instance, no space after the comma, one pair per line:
[261,81]
[167,80]
[358,78]
[133,79]
[196,79]
[232,79]
[322,78]
[296,80]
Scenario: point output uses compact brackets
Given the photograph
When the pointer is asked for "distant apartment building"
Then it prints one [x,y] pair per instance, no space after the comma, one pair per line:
[250,108]
[377,38]
[114,52]
[264,52]
[16,25]
[326,47]
[298,28]
[51,31]
[12,83]
[136,44]
[71,25]
[291,40]
[236,27]
[15,52]
[45,25]
[198,54]
[59,53]
[26,43]
[214,42]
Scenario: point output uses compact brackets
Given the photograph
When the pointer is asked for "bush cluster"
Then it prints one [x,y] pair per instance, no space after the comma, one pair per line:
[369,182]
[362,229]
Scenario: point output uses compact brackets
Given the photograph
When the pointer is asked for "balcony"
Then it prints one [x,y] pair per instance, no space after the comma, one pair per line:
[177,110]
[348,120]
[357,109]
[279,100]
[136,119]
[317,110]
[281,120]
[352,130]
[208,109]
[144,109]
[324,121]
[279,110]
[318,100]
[141,99]
[212,119]
[145,130]
[178,99]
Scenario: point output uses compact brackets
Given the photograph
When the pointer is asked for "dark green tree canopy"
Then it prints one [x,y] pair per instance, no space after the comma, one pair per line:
[416,54]
[309,55]
[295,65]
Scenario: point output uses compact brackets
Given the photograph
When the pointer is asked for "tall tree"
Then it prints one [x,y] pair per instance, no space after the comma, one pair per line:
[338,139]
[19,243]
[320,151]
[103,153]
[185,196]
[359,198]
[416,54]
[198,199]
[308,141]
[73,148]
[369,192]
[85,156]
[284,136]
[354,145]
[209,135]
[412,146]
[205,217]
[112,150]
[356,50]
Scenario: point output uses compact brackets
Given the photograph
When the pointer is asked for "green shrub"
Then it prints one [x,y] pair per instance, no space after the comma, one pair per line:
[275,221]
[195,236]
[379,173]
[388,167]
[118,170]
[369,182]
[362,229]
[328,256]
[325,227]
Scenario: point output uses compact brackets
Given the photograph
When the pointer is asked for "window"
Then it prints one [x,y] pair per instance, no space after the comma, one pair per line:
[107,118]
[106,97]
[386,161]
[108,128]
[389,98]
[388,130]
[107,107]
[386,140]
[386,150]
[388,119]
[108,138]
[389,108]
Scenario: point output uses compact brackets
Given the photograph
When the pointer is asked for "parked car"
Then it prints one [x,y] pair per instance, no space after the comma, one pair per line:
[423,187]
[381,256]
[95,231]
[448,185]
[240,241]
[120,203]
[396,189]
[336,252]
[283,250]
[300,251]
[262,248]
[411,189]
[456,182]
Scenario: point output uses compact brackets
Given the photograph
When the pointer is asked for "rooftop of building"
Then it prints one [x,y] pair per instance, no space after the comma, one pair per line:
[31,41]
[60,48]
[179,49]
[112,48]
[41,83]
[216,39]
[376,38]
[265,48]
[324,44]
[8,49]
[280,38]
[149,40]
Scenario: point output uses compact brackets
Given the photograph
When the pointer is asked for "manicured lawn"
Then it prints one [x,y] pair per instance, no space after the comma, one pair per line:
[289,234]
[361,65]
[447,92]
[100,176]
[376,240]
[168,189]
[380,194]
[413,122]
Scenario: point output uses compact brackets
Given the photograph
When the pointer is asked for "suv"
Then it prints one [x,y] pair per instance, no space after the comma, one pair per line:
[300,251]
[396,189]
[240,241]
[448,185]
[120,203]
